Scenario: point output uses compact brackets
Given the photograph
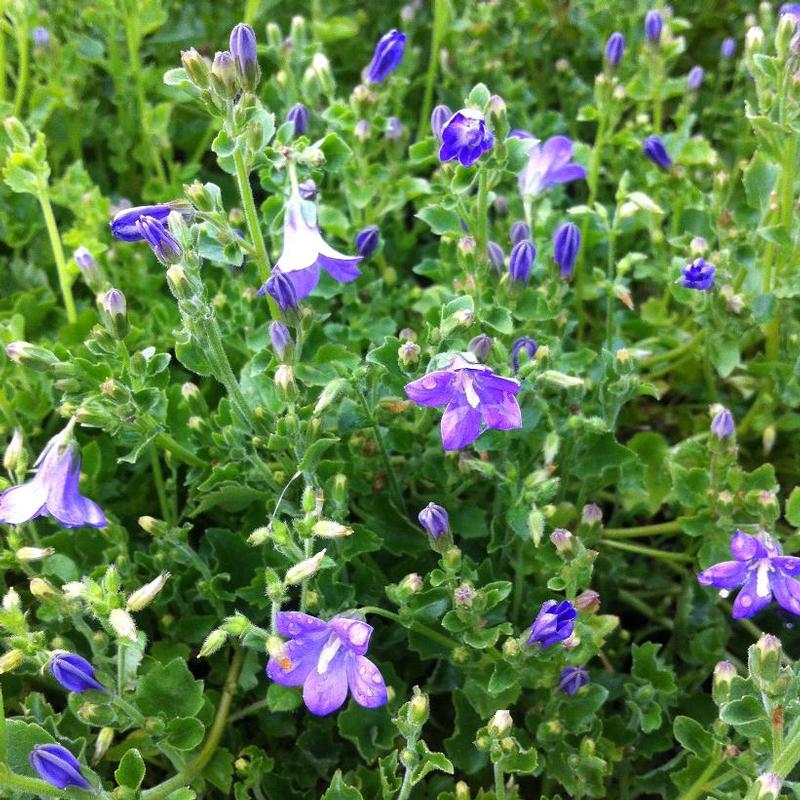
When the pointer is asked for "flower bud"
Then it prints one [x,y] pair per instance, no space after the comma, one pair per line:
[787,25]
[29,355]
[298,116]
[87,265]
[462,791]
[285,383]
[764,659]
[33,553]
[243,49]
[142,598]
[213,642]
[411,584]
[43,589]
[196,67]
[418,708]
[564,542]
[724,673]
[321,69]
[520,263]
[592,515]
[101,745]
[768,439]
[329,394]
[367,241]
[496,257]
[223,75]
[463,596]
[115,307]
[74,590]
[15,452]
[178,282]
[769,784]
[500,724]
[11,601]
[153,526]
[122,624]
[480,346]
[304,570]
[408,354]
[17,133]
[10,661]
[439,117]
[328,529]
[754,41]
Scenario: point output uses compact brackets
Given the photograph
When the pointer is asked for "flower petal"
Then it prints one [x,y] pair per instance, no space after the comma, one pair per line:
[461,424]
[502,416]
[366,682]
[304,281]
[745,547]
[301,241]
[339,266]
[556,152]
[66,504]
[789,565]
[326,691]
[490,381]
[725,575]
[433,389]
[298,658]
[786,590]
[570,172]
[295,623]
[22,503]
[749,602]
[354,633]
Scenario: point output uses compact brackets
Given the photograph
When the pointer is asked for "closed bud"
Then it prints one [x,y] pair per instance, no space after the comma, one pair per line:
[17,133]
[463,596]
[724,673]
[321,68]
[178,282]
[329,394]
[243,49]
[328,529]
[418,708]
[764,660]
[500,724]
[769,784]
[115,308]
[754,41]
[259,536]
[462,791]
[588,600]
[237,625]
[223,75]
[274,36]
[74,590]
[122,624]
[194,399]
[285,383]
[564,542]
[480,346]
[153,526]
[10,661]
[411,584]
[787,25]
[101,745]
[142,598]
[33,553]
[408,354]
[298,31]
[196,67]
[200,196]
[14,455]
[11,601]
[304,570]
[768,439]
[465,317]
[43,589]
[213,642]
[29,355]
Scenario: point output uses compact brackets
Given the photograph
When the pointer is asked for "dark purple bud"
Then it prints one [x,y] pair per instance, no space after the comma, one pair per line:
[554,623]
[387,57]
[653,26]
[694,80]
[521,261]
[57,766]
[615,49]
[572,679]
[298,114]
[41,37]
[308,189]
[281,339]
[74,673]
[281,289]
[367,240]
[439,117]
[566,245]
[434,520]
[496,256]
[522,345]
[394,129]
[728,47]
[699,275]
[519,232]
[723,426]
[162,242]
[123,225]
[655,150]
[480,346]
[243,50]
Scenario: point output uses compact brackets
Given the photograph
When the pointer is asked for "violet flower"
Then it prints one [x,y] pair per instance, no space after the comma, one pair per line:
[41,37]
[653,26]
[549,163]
[496,256]
[566,246]
[243,49]
[791,8]
[573,679]
[305,252]
[480,346]
[694,80]
[656,151]
[728,47]
[465,137]
[387,57]
[280,338]
[439,117]
[367,240]
[298,116]
[522,345]
[762,571]
[281,289]
[615,49]
[519,231]
[53,490]
[164,245]
[723,424]
[699,275]
[520,262]
[434,520]
[123,224]
[57,766]
[554,623]
[74,673]
[473,394]
[326,658]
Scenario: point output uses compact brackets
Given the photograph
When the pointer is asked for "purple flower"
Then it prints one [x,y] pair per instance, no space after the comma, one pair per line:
[548,164]
[465,137]
[281,289]
[762,571]
[394,129]
[694,80]
[53,490]
[473,395]
[298,116]
[519,231]
[699,275]
[434,520]
[327,658]
[281,339]
[41,37]
[496,256]
[572,679]
[439,117]
[387,57]
[123,225]
[653,25]
[367,240]
[554,623]
[57,766]
[615,49]
[728,47]
[521,261]
[566,245]
[243,49]
[723,425]
[84,259]
[74,673]
[305,252]
[791,8]
[522,345]
[163,244]
[655,150]
[480,346]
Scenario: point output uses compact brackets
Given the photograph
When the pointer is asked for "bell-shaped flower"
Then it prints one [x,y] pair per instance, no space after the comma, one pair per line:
[549,163]
[74,673]
[554,623]
[56,765]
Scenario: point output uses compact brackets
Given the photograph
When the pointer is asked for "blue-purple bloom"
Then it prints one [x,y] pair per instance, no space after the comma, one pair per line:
[387,57]
[728,47]
[522,345]
[298,116]
[281,289]
[566,246]
[243,49]
[496,256]
[57,766]
[480,346]
[519,231]
[280,338]
[615,49]
[465,137]
[84,259]
[124,227]
[439,117]
[304,254]
[791,8]
[549,163]
[53,490]
[654,148]
[694,80]
[554,623]
[723,424]
[699,275]
[653,25]
[762,571]
[163,244]
[434,520]
[573,679]
[326,658]
[367,240]
[473,394]
[74,673]
[520,262]
[41,37]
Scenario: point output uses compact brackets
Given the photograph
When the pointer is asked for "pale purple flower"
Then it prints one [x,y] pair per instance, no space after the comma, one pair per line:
[572,679]
[728,47]
[723,425]
[305,252]
[762,571]
[439,117]
[566,245]
[465,137]
[694,80]
[435,520]
[53,490]
[327,658]
[298,116]
[549,163]
[473,394]
[791,8]
[496,256]
[519,232]
[554,623]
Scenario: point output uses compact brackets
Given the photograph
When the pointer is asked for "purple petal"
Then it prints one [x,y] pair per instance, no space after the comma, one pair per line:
[354,633]
[496,383]
[66,504]
[571,172]
[557,151]
[461,425]
[789,565]
[433,389]
[339,266]
[325,688]
[295,623]
[304,281]
[449,149]
[745,547]
[366,682]
[726,575]
[749,602]
[22,503]
[502,416]
[786,591]
[298,658]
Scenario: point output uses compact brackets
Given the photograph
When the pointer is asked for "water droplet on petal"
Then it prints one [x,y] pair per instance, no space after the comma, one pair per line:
[293,628]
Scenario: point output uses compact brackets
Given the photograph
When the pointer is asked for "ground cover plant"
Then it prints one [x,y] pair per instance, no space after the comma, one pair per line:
[399,402]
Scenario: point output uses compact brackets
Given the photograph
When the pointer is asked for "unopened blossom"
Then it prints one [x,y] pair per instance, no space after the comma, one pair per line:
[519,232]
[572,679]
[367,240]
[728,47]
[474,396]
[522,345]
[520,262]
[792,9]
[699,275]
[122,623]
[145,595]
[280,338]
[694,80]
[566,246]
[762,571]
[57,766]
[281,289]
[243,49]
[435,520]
[163,244]
[655,149]
[74,673]
[85,260]
[549,163]
[298,116]
[615,49]
[439,117]
[723,425]
[465,137]
[387,56]
[305,253]
[653,26]
[327,659]
[496,256]
[480,346]
[41,37]
[124,223]
[53,490]
[554,623]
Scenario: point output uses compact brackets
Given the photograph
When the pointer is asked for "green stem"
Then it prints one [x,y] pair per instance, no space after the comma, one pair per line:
[120,669]
[192,771]
[43,196]
[666,555]
[656,78]
[405,788]
[669,355]
[789,754]
[251,215]
[18,783]
[3,737]
[23,68]
[645,609]
[2,65]
[158,480]
[698,788]
[643,530]
[439,27]
[166,442]
[419,627]
[250,11]
[611,268]
[248,711]
[499,782]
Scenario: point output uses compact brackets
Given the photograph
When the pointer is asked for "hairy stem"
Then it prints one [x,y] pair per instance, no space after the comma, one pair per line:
[43,195]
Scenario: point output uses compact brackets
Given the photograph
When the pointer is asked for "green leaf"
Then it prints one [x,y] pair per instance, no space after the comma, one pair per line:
[185,733]
[747,715]
[793,507]
[648,667]
[693,736]
[503,677]
[283,698]
[314,453]
[441,220]
[130,772]
[428,762]
[759,180]
[169,690]
[339,790]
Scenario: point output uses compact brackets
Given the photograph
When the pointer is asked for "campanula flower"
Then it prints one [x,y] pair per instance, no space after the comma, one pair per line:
[223,74]
[123,225]
[723,425]
[57,766]
[53,490]
[656,151]
[522,345]
[163,244]
[615,49]
[243,49]
[549,163]
[791,8]
[473,394]
[496,256]
[394,129]
[280,338]
[298,116]
[74,673]
[728,47]
[387,57]
[699,275]
[521,261]
[694,80]
[554,623]
[465,137]
[434,520]
[281,289]
[367,240]
[326,658]
[439,117]
[480,346]
[84,259]
[566,246]
[653,26]
[762,571]
[572,679]
[305,253]
[519,231]
[41,37]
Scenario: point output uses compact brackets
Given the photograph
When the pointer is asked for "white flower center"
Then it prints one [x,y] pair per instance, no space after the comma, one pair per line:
[762,578]
[327,654]
[472,395]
